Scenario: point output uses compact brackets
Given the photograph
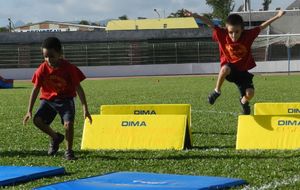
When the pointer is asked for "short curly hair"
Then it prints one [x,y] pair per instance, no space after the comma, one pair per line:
[235,20]
[52,43]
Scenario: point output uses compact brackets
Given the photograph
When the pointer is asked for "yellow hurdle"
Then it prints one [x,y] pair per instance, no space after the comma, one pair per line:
[292,108]
[116,132]
[151,109]
[268,132]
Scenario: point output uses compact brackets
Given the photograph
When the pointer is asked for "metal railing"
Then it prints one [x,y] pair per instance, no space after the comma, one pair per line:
[132,53]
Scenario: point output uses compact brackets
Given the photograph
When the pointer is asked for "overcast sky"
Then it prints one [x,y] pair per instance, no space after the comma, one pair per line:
[96,10]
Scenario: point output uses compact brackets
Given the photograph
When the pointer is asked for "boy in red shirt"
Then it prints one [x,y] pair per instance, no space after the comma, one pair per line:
[59,81]
[235,55]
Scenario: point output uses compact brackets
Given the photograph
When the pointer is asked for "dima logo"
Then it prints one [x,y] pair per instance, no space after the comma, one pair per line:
[144,112]
[134,124]
[289,123]
[293,110]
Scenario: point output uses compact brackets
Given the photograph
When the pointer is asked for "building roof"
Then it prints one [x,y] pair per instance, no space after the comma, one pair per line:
[63,23]
[152,24]
[105,36]
[294,5]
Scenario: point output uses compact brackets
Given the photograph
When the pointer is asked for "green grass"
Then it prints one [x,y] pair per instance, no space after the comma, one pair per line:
[214,134]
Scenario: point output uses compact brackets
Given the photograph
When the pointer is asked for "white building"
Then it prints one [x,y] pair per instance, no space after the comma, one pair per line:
[52,26]
[288,24]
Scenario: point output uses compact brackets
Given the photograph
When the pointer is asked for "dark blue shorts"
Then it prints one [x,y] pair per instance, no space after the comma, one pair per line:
[49,109]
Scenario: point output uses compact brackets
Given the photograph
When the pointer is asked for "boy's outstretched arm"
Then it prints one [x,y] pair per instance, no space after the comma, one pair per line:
[33,96]
[268,22]
[81,94]
[206,21]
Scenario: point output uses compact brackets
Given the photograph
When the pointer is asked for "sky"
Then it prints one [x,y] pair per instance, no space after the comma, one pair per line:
[96,10]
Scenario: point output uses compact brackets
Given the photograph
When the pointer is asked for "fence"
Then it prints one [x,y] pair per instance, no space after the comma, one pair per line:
[135,53]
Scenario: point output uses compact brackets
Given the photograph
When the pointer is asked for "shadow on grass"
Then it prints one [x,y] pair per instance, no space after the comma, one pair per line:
[22,87]
[15,88]
[23,153]
[140,155]
[156,155]
[212,147]
[213,133]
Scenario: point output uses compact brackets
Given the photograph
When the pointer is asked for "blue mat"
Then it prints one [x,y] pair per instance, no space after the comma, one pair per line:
[138,181]
[5,84]
[10,175]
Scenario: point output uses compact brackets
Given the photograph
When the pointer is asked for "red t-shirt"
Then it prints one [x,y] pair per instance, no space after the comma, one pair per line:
[237,53]
[60,82]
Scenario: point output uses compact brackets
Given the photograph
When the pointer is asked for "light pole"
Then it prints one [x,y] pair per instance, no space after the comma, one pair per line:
[9,24]
[155,10]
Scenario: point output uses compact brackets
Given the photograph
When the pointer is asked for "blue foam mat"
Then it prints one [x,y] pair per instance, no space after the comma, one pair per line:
[10,175]
[138,181]
[5,84]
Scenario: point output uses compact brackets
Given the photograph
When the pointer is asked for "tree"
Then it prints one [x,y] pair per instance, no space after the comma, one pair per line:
[221,8]
[3,29]
[207,15]
[266,4]
[179,13]
[182,13]
[84,22]
[123,17]
[95,24]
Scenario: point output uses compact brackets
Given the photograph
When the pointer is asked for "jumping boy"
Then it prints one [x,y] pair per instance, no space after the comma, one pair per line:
[235,55]
[59,81]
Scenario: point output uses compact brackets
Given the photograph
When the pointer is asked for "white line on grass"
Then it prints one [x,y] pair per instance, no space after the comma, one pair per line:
[217,112]
[275,184]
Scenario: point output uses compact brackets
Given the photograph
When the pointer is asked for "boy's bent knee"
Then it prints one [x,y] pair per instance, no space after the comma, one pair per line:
[68,125]
[250,93]
[38,121]
[225,70]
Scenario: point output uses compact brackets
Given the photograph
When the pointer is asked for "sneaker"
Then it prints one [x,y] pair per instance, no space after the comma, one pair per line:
[54,144]
[246,108]
[69,155]
[213,97]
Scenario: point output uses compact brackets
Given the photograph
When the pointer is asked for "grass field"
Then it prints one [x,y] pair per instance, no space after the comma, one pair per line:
[214,132]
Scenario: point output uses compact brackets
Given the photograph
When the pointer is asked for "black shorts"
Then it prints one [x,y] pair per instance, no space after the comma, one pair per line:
[242,79]
[49,109]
